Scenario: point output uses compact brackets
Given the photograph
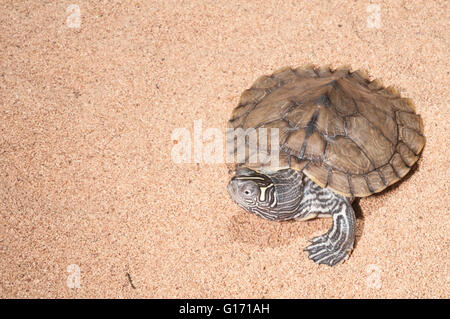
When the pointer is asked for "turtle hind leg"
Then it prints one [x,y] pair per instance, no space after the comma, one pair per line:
[336,245]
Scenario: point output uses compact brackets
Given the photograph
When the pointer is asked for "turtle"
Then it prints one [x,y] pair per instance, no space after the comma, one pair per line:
[341,136]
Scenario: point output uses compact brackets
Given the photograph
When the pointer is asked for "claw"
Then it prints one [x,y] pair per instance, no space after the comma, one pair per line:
[323,251]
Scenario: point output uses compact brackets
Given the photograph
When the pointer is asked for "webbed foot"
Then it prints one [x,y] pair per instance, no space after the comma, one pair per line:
[336,245]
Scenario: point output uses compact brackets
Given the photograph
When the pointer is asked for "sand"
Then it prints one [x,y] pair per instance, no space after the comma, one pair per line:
[88,185]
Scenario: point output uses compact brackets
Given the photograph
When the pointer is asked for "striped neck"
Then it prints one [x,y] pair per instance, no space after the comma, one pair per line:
[288,194]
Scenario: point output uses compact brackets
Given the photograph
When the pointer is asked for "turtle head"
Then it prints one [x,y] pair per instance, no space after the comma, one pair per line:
[253,191]
[274,196]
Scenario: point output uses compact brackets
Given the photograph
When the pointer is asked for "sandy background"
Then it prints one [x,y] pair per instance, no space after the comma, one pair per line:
[86,175]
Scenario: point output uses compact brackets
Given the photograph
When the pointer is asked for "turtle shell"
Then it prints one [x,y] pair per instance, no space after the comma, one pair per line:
[342,130]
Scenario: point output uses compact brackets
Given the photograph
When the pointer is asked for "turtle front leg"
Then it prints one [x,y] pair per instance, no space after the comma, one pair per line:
[335,246]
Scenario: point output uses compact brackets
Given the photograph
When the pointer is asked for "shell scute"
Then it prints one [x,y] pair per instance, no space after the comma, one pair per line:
[329,122]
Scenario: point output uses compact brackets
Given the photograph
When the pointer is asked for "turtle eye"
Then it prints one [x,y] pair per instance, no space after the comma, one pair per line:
[248,191]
